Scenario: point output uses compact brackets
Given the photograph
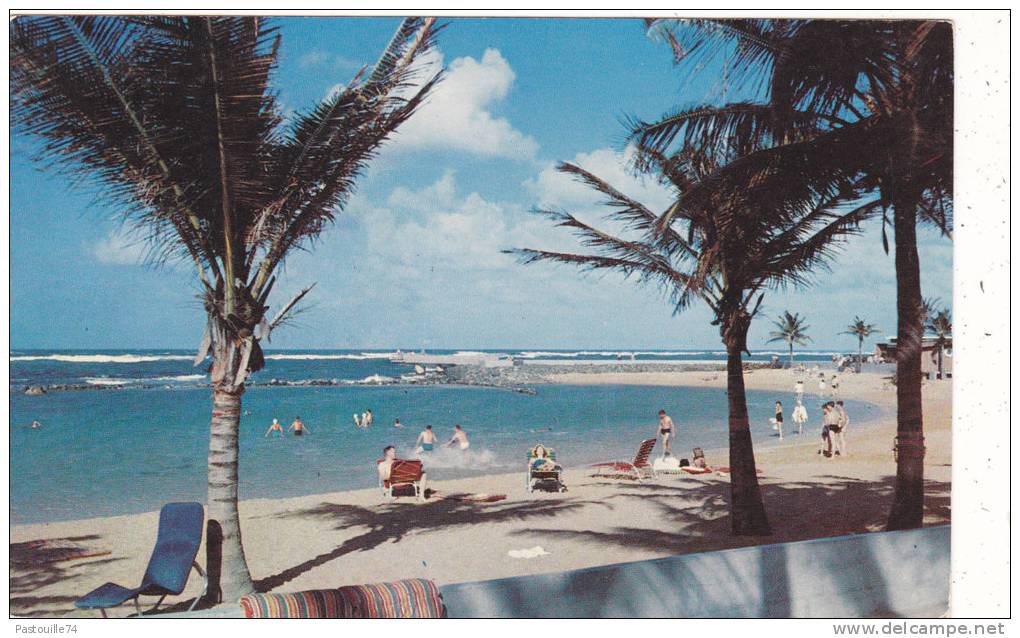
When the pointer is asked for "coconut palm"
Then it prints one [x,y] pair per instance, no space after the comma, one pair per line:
[940,323]
[930,306]
[174,120]
[790,329]
[873,97]
[862,330]
[725,250]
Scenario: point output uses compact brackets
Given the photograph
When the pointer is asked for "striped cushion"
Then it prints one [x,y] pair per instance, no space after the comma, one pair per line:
[414,598]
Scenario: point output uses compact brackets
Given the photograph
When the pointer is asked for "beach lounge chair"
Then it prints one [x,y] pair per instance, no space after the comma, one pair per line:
[173,557]
[638,469]
[544,473]
[405,473]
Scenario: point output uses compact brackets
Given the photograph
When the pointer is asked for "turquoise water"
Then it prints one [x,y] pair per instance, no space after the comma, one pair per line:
[105,453]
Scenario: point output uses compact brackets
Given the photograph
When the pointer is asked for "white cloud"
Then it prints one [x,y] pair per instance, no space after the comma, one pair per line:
[553,189]
[318,57]
[434,227]
[119,247]
[458,113]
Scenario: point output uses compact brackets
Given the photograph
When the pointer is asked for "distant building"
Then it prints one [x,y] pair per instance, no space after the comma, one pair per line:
[929,355]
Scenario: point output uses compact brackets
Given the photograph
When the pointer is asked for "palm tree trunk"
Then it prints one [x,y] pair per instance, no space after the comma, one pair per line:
[747,508]
[791,356]
[229,578]
[941,376]
[860,353]
[907,509]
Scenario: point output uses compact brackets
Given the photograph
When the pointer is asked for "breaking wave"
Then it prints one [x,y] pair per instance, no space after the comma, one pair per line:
[469,459]
[102,358]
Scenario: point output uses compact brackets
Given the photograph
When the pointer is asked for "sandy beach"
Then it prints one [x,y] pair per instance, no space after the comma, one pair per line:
[327,540]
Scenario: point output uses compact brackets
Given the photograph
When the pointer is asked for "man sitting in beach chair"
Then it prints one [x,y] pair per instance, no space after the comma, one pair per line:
[543,469]
[398,474]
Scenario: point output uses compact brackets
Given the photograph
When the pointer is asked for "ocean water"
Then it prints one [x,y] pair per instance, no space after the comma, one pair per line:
[102,453]
[128,368]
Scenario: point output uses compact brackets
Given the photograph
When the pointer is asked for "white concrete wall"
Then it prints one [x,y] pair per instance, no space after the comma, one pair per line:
[881,574]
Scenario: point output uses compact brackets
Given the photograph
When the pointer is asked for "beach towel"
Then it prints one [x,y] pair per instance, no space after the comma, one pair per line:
[725,471]
[412,598]
[470,498]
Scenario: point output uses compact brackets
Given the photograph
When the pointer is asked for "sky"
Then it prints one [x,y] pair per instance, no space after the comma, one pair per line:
[414,260]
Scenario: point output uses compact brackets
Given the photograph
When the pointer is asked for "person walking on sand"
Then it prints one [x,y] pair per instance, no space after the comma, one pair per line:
[426,440]
[666,432]
[800,416]
[822,385]
[830,427]
[299,427]
[844,421]
[459,437]
[835,386]
[798,389]
[275,429]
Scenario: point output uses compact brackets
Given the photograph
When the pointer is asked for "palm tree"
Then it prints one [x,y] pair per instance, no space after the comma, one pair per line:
[791,329]
[930,307]
[862,330]
[174,119]
[941,325]
[872,98]
[725,248]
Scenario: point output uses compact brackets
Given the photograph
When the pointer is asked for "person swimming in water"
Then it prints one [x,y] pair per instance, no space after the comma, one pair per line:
[35,425]
[275,428]
[398,424]
[299,427]
[459,436]
[426,440]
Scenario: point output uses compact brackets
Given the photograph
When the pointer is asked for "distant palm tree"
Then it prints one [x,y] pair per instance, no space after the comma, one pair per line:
[873,98]
[174,118]
[930,307]
[790,329]
[862,331]
[941,325]
[722,247]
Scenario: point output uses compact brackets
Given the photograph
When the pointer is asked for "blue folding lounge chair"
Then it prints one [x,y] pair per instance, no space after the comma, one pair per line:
[180,534]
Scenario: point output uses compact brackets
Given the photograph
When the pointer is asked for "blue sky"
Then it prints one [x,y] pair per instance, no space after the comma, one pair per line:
[414,260]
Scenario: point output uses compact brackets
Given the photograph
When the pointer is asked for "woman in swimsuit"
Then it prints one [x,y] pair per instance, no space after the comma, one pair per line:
[274,429]
[779,418]
[666,431]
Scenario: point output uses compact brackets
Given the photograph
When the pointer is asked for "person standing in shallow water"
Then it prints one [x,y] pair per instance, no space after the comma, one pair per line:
[299,427]
[459,437]
[275,429]
[779,418]
[800,417]
[426,440]
[666,428]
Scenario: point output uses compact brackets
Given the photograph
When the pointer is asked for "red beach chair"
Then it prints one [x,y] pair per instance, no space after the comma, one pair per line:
[637,469]
[402,474]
